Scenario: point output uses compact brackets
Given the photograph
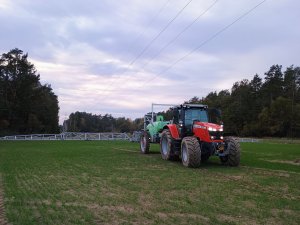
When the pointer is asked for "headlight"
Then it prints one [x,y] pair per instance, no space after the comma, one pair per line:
[212,129]
[221,129]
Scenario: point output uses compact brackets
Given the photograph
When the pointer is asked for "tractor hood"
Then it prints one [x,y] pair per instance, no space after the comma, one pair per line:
[208,126]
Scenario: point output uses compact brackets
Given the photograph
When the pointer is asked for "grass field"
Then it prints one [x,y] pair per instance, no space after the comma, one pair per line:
[86,182]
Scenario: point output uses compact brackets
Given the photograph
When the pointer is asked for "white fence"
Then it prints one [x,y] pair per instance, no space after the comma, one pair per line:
[69,136]
[248,140]
[87,136]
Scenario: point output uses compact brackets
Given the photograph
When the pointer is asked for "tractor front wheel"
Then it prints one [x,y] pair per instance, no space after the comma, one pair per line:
[190,152]
[234,151]
[145,143]
[166,143]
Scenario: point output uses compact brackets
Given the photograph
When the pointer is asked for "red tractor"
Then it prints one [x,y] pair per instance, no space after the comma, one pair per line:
[192,135]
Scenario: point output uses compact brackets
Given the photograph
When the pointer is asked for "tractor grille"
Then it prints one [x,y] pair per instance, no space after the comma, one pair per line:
[216,134]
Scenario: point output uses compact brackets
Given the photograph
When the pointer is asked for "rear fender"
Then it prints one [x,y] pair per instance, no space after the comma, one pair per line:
[173,130]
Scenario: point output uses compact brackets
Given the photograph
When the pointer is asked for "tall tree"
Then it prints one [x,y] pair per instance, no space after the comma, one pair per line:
[27,106]
[273,85]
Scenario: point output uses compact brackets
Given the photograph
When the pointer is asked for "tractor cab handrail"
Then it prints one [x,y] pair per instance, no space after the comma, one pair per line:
[194,106]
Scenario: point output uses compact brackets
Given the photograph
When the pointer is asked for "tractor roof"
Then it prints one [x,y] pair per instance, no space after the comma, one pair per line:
[192,106]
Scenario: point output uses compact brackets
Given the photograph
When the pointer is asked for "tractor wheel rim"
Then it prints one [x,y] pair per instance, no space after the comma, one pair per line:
[184,153]
[164,145]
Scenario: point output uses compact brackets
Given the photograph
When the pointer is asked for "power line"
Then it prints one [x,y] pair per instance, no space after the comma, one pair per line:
[149,24]
[207,40]
[152,41]
[179,34]
[160,33]
[138,37]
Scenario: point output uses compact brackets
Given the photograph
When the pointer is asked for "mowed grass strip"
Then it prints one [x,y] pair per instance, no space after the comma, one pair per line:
[102,182]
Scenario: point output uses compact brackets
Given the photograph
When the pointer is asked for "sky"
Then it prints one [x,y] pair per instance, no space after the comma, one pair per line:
[118,57]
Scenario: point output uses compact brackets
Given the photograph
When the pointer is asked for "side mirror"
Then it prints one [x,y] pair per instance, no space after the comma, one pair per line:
[215,112]
[215,116]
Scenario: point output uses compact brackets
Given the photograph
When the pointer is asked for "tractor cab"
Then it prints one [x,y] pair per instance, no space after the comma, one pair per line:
[198,120]
[186,115]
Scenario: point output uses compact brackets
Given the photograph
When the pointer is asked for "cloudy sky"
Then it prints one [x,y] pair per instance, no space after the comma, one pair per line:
[118,57]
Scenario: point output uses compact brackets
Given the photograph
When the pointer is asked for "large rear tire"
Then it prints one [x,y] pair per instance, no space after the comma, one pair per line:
[166,143]
[190,152]
[145,143]
[234,152]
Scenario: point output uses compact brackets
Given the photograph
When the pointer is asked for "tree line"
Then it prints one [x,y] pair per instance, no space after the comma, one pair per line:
[260,107]
[26,106]
[88,122]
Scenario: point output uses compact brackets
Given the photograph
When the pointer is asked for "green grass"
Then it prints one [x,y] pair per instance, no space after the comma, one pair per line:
[101,182]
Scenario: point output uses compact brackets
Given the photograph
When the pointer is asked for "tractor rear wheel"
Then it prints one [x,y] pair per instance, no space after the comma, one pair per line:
[166,143]
[234,152]
[145,142]
[190,152]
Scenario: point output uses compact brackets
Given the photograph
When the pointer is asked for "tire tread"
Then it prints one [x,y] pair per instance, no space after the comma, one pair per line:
[193,151]
[233,158]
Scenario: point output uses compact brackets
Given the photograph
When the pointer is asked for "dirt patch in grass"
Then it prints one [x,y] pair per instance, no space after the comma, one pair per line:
[112,208]
[288,212]
[125,150]
[235,177]
[276,173]
[227,219]
[156,167]
[3,220]
[279,213]
[90,206]
[145,201]
[250,185]
[250,204]
[198,217]
[295,162]
[270,190]
[270,172]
